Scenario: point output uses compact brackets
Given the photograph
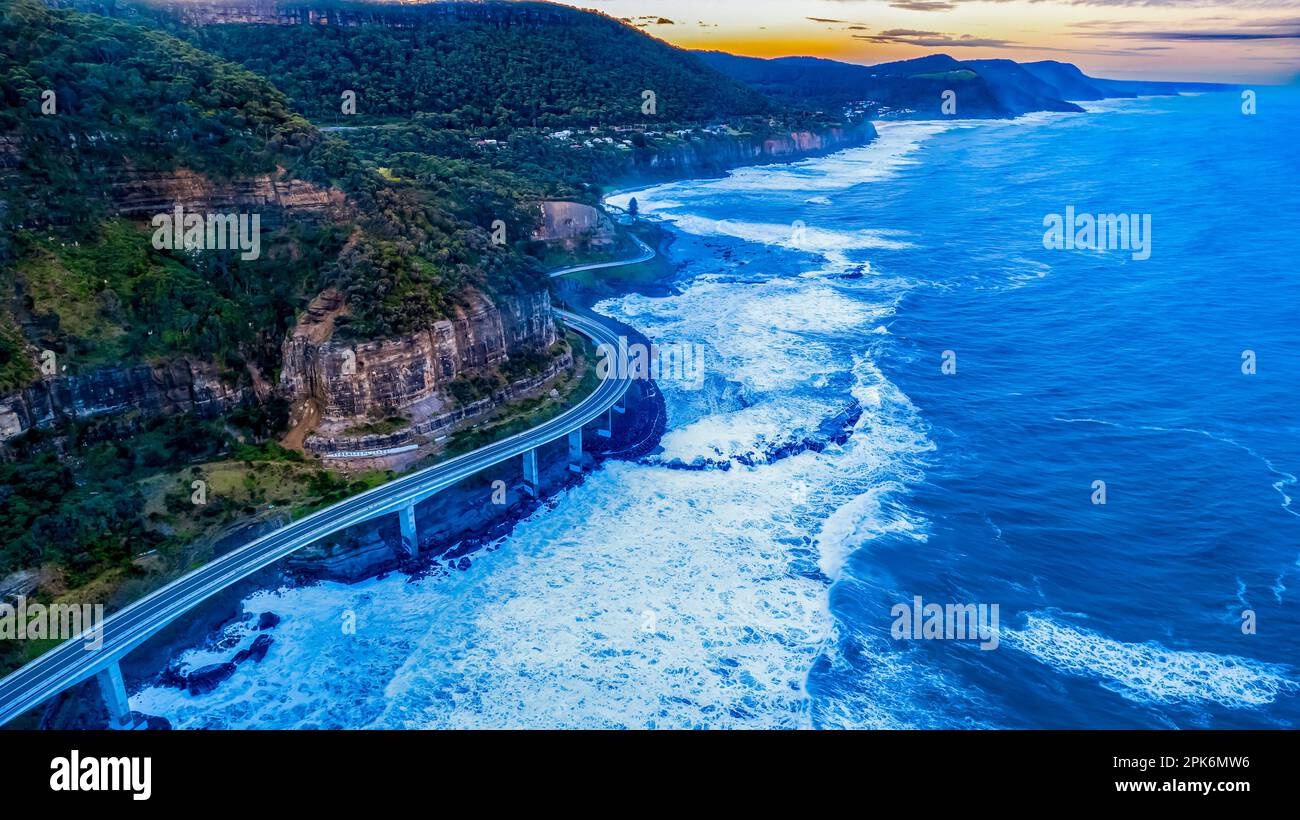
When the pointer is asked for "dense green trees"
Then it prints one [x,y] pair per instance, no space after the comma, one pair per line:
[133,101]
[471,92]
[482,66]
[85,515]
[124,92]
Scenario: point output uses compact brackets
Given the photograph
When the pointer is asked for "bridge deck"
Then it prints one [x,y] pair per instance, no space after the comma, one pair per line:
[70,662]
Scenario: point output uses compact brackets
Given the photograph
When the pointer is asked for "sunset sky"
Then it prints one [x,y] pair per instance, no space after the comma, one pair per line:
[1212,40]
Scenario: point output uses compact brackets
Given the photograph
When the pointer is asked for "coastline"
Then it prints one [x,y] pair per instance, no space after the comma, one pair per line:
[465,531]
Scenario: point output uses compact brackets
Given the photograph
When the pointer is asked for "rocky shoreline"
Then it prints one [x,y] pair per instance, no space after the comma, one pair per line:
[455,525]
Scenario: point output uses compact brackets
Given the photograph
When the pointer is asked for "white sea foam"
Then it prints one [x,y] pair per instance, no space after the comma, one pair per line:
[875,685]
[1149,672]
[693,205]
[647,596]
[809,238]
[548,629]
[863,519]
[892,151]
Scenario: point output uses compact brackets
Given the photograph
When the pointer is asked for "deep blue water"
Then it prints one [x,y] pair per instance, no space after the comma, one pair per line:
[1075,366]
[761,595]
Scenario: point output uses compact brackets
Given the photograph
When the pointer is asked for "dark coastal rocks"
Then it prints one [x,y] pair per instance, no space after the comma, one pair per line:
[153,723]
[207,678]
[256,651]
[174,675]
[833,430]
[348,559]
[712,153]
[230,635]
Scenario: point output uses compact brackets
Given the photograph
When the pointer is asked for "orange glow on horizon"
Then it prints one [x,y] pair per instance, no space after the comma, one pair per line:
[1217,42]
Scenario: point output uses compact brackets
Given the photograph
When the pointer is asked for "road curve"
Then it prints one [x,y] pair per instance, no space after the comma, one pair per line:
[647,253]
[70,662]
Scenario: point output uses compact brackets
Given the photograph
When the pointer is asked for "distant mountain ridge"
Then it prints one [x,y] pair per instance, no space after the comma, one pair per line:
[915,88]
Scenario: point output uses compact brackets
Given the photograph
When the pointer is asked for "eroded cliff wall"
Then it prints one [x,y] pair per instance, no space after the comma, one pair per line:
[176,386]
[718,152]
[352,381]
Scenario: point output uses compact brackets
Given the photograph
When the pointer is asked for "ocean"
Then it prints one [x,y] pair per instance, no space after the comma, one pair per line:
[749,574]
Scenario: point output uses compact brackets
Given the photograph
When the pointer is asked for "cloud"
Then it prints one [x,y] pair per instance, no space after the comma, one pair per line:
[849,24]
[648,20]
[1203,35]
[933,39]
[940,40]
[1182,3]
[923,5]
[1274,29]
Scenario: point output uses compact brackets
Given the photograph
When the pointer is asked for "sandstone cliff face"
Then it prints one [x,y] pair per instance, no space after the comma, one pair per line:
[566,222]
[351,382]
[180,385]
[177,386]
[721,152]
[141,195]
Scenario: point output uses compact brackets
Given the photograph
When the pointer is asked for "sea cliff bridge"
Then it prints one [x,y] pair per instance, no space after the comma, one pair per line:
[71,662]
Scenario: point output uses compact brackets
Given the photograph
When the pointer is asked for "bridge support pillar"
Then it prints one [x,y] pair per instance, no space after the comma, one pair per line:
[575,450]
[608,429]
[531,481]
[410,536]
[113,690]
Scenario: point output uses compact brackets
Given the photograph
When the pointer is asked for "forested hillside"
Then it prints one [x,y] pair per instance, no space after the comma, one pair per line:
[122,93]
[915,88]
[464,65]
[166,361]
[905,88]
[138,110]
[133,103]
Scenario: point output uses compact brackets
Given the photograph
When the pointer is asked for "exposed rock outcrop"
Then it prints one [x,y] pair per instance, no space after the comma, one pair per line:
[360,554]
[204,680]
[567,222]
[142,194]
[431,424]
[179,385]
[256,651]
[176,386]
[350,382]
[718,152]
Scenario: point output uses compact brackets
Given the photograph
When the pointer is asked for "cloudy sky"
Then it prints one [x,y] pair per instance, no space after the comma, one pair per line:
[1213,40]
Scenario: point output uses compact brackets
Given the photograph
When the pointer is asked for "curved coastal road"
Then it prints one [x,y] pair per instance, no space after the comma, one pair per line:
[647,253]
[70,662]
